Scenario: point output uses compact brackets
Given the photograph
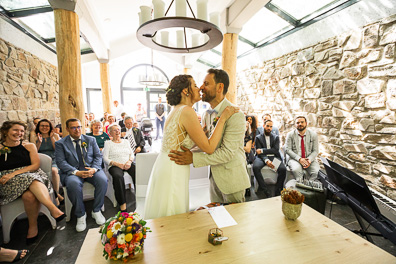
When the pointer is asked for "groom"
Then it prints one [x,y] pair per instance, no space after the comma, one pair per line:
[228,175]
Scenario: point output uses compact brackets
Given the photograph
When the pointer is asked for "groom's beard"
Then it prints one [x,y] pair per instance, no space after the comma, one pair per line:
[267,133]
[207,97]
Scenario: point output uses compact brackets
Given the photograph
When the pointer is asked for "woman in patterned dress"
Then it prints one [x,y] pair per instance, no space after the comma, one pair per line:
[21,176]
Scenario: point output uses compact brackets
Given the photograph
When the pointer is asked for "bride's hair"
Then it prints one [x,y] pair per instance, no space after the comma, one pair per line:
[176,86]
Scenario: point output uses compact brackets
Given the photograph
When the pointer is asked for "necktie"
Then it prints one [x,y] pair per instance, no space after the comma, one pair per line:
[132,142]
[211,111]
[81,166]
[302,147]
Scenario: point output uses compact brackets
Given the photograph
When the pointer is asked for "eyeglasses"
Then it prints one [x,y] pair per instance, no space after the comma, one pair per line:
[74,128]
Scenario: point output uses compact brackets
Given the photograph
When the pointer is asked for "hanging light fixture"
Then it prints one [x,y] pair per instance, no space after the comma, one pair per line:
[154,33]
[151,78]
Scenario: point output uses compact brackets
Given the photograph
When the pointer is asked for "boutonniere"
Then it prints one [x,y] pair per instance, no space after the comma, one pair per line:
[134,129]
[215,120]
[84,145]
[5,151]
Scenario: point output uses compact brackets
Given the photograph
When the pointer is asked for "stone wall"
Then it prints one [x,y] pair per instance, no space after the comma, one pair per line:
[28,86]
[346,87]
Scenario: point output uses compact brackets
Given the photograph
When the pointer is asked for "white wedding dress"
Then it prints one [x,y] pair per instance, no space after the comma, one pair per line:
[167,192]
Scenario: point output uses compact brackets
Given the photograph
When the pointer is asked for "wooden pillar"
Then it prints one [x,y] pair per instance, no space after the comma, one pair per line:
[106,89]
[67,34]
[228,62]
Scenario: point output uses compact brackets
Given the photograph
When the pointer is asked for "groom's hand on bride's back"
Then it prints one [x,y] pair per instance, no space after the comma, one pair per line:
[181,157]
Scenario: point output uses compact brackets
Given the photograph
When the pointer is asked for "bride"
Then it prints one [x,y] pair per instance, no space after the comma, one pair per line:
[167,192]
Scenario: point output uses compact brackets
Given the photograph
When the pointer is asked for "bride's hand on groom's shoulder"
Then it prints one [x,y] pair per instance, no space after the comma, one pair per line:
[229,111]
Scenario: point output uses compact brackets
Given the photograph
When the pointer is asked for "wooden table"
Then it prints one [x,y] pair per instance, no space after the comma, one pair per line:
[262,235]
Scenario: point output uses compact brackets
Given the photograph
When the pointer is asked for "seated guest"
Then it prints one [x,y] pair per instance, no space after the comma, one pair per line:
[253,125]
[79,159]
[21,176]
[32,134]
[118,155]
[133,135]
[275,130]
[91,117]
[111,120]
[121,123]
[58,129]
[98,134]
[302,146]
[267,149]
[247,147]
[46,138]
[104,118]
[12,255]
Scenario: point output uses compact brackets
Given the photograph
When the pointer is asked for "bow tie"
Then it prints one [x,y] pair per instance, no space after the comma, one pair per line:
[211,111]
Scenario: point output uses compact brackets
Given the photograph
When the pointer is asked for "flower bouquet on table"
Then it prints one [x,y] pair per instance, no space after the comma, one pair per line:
[292,201]
[123,236]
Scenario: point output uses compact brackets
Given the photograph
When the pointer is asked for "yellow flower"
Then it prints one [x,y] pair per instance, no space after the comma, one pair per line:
[129,221]
[109,234]
[129,229]
[128,237]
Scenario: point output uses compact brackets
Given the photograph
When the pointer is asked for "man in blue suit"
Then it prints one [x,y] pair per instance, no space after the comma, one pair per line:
[267,149]
[79,159]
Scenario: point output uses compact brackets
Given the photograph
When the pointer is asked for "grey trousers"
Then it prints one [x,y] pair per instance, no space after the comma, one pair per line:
[298,171]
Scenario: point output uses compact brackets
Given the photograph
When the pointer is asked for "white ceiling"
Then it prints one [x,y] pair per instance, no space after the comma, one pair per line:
[110,26]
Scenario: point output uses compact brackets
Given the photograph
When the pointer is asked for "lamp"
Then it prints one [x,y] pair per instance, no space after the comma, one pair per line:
[150,78]
[149,28]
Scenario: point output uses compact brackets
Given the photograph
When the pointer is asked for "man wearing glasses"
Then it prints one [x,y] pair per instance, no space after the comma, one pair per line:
[79,159]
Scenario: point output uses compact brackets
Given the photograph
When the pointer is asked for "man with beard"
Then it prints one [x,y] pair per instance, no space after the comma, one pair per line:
[302,146]
[267,149]
[228,175]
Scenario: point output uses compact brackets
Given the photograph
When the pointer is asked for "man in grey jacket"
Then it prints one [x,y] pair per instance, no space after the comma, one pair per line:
[302,147]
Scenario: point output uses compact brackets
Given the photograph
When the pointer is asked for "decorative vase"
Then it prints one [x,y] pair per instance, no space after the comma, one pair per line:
[291,211]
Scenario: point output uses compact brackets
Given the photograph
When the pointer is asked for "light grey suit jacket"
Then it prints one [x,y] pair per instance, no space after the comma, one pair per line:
[228,162]
[293,145]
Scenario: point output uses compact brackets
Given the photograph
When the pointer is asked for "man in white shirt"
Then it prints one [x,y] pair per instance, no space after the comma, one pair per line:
[267,149]
[118,109]
[134,136]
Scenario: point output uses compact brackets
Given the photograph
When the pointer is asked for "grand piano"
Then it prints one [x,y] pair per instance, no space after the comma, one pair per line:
[376,209]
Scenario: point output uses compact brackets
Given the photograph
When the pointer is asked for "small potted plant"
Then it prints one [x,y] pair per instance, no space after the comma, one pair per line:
[292,201]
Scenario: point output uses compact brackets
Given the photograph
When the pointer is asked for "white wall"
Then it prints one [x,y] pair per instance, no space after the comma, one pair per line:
[21,40]
[348,19]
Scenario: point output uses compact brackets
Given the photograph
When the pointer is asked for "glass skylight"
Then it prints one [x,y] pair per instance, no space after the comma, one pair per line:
[263,24]
[19,4]
[301,8]
[42,25]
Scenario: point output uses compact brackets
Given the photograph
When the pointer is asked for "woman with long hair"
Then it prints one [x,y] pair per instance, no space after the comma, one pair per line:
[46,138]
[21,176]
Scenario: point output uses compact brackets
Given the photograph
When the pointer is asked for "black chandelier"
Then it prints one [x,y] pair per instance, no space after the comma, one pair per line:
[148,32]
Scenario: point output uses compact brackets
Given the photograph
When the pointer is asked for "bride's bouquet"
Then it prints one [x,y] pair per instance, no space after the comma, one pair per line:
[123,236]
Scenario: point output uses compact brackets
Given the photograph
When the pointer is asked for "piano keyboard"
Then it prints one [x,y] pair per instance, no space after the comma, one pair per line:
[314,185]
[386,205]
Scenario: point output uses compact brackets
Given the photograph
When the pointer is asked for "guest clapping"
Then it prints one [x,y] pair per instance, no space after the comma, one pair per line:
[98,134]
[118,154]
[46,138]
[21,176]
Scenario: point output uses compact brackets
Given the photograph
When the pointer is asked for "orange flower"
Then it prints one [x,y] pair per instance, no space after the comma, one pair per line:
[113,241]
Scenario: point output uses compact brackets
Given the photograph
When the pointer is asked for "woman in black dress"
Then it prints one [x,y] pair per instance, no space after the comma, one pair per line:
[21,176]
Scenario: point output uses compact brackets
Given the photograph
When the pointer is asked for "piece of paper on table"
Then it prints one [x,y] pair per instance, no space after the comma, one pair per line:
[222,217]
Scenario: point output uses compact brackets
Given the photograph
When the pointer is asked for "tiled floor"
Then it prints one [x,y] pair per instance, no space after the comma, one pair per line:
[61,246]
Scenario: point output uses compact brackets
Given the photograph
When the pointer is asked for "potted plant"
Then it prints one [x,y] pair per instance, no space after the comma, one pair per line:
[292,201]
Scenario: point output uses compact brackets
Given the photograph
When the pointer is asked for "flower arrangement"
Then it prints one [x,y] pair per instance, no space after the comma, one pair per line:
[215,120]
[123,236]
[5,151]
[292,196]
